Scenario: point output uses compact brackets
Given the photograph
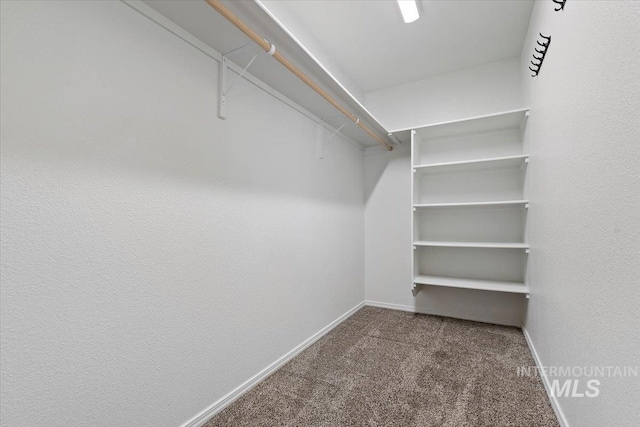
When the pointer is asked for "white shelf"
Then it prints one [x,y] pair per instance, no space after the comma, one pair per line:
[507,162]
[512,119]
[485,285]
[464,204]
[475,167]
[429,243]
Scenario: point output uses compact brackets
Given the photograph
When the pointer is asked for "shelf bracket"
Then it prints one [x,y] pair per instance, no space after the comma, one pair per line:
[321,141]
[416,290]
[223,89]
[394,138]
[524,120]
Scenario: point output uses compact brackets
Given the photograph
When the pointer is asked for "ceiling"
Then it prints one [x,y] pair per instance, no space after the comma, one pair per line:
[378,50]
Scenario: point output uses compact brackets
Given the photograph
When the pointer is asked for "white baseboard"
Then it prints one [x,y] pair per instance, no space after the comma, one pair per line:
[545,380]
[232,396]
[465,316]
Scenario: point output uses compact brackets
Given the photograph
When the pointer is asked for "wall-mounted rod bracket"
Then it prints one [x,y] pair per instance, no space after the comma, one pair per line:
[223,89]
[246,47]
[321,141]
[394,138]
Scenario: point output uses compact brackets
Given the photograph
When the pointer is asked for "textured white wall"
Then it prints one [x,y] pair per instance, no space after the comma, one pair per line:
[476,91]
[472,92]
[154,257]
[584,232]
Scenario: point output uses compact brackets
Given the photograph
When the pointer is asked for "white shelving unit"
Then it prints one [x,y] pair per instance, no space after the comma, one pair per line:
[468,191]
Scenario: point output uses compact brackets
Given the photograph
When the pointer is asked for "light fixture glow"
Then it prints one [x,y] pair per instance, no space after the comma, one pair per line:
[409,10]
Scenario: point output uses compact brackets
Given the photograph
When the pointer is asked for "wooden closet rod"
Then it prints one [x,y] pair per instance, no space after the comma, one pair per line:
[271,49]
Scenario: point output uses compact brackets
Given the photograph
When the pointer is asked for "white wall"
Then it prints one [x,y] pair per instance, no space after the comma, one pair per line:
[154,257]
[472,92]
[388,251]
[585,189]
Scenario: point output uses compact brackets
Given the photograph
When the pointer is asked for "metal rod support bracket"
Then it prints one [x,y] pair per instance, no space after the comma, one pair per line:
[321,141]
[223,88]
[394,138]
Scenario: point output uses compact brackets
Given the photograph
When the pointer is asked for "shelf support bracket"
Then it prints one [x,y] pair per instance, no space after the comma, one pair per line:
[416,290]
[524,120]
[394,138]
[322,142]
[223,89]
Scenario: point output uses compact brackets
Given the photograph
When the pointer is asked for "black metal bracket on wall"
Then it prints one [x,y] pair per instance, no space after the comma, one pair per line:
[543,52]
[560,4]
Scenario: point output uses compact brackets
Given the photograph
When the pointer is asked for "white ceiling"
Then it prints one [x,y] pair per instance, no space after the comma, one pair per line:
[378,50]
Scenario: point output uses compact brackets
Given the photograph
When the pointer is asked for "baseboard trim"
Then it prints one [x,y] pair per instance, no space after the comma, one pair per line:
[465,316]
[232,396]
[555,404]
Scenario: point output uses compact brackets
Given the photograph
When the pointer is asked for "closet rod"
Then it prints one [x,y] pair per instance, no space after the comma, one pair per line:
[271,49]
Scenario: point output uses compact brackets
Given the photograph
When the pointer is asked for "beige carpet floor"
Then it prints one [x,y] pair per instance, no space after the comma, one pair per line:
[391,368]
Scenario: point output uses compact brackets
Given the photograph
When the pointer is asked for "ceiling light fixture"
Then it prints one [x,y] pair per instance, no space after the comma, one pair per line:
[409,10]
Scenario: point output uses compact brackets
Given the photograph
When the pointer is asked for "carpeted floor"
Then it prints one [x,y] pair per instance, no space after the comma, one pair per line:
[391,368]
